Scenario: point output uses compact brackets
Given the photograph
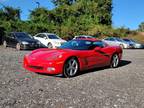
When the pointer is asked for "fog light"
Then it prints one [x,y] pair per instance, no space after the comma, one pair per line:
[50,69]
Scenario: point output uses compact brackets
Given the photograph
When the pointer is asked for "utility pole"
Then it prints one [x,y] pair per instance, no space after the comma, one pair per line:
[38,4]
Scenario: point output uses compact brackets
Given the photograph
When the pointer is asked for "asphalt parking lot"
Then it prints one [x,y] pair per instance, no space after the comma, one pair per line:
[122,87]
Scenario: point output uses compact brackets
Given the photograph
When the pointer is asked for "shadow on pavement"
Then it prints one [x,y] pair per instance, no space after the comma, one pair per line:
[122,63]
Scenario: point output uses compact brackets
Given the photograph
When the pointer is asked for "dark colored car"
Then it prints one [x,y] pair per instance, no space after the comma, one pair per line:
[20,40]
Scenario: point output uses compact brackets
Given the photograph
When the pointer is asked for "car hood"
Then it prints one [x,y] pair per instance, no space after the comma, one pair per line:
[58,40]
[46,53]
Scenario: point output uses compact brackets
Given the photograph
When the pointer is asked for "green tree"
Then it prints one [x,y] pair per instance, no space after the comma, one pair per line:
[141,27]
[11,13]
[63,2]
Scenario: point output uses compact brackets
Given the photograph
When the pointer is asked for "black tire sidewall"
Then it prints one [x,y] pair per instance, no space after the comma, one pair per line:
[4,44]
[18,47]
[122,46]
[111,64]
[49,44]
[65,74]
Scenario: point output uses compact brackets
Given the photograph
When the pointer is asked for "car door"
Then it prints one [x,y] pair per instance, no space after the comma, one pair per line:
[88,59]
[102,56]
[38,37]
[12,40]
[111,41]
[95,57]
[42,38]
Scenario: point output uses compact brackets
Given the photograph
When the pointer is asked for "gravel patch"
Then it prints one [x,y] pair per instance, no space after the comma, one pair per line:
[122,87]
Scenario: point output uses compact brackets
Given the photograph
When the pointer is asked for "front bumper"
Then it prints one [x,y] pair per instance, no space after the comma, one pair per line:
[43,67]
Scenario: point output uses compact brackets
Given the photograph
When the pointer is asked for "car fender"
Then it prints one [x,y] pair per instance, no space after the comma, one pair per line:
[70,55]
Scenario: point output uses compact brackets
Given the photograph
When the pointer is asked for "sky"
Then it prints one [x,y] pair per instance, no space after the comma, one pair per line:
[126,13]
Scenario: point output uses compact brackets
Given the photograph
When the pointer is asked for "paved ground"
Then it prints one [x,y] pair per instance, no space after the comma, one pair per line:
[122,87]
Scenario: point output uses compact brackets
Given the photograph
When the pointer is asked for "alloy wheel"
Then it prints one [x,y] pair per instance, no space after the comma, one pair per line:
[4,44]
[50,45]
[71,67]
[18,47]
[115,61]
[122,46]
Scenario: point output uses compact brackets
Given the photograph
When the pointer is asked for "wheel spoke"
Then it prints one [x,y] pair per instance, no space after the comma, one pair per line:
[73,63]
[69,63]
[71,67]
[115,60]
[71,71]
[68,69]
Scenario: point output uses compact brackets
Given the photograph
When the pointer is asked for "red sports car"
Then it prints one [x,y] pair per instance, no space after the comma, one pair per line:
[73,57]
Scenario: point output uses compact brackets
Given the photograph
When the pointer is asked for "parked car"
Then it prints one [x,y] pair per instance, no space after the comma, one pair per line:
[83,36]
[73,57]
[115,41]
[50,40]
[20,40]
[135,44]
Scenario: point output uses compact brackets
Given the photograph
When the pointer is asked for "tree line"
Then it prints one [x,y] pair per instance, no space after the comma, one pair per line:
[67,19]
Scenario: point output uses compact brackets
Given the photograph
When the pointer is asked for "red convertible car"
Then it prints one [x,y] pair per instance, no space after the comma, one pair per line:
[73,57]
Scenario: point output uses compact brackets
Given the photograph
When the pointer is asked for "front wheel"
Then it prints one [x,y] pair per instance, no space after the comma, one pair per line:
[18,47]
[49,45]
[115,61]
[71,67]
[4,44]
[122,46]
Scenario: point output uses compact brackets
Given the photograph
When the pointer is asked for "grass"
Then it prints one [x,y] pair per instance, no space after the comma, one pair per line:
[138,37]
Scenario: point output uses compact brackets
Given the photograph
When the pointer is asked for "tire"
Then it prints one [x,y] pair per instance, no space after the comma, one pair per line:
[5,44]
[122,46]
[18,47]
[49,45]
[71,67]
[115,61]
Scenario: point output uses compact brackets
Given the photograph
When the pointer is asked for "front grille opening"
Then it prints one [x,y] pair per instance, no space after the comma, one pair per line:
[36,67]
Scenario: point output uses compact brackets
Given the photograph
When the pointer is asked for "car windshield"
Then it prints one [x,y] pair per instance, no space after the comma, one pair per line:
[84,36]
[118,39]
[133,41]
[53,37]
[22,36]
[127,40]
[78,45]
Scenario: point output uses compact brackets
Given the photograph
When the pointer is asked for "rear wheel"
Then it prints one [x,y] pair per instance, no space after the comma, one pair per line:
[18,47]
[49,45]
[115,61]
[4,44]
[71,67]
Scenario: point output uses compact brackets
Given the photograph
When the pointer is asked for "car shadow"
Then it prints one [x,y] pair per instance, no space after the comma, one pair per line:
[122,63]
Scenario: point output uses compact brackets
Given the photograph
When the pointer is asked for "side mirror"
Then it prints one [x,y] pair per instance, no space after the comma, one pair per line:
[45,38]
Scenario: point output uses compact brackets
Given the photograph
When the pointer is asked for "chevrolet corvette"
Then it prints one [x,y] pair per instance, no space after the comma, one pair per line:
[73,57]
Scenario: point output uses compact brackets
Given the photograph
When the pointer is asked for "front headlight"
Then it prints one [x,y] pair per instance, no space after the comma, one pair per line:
[54,57]
[25,42]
